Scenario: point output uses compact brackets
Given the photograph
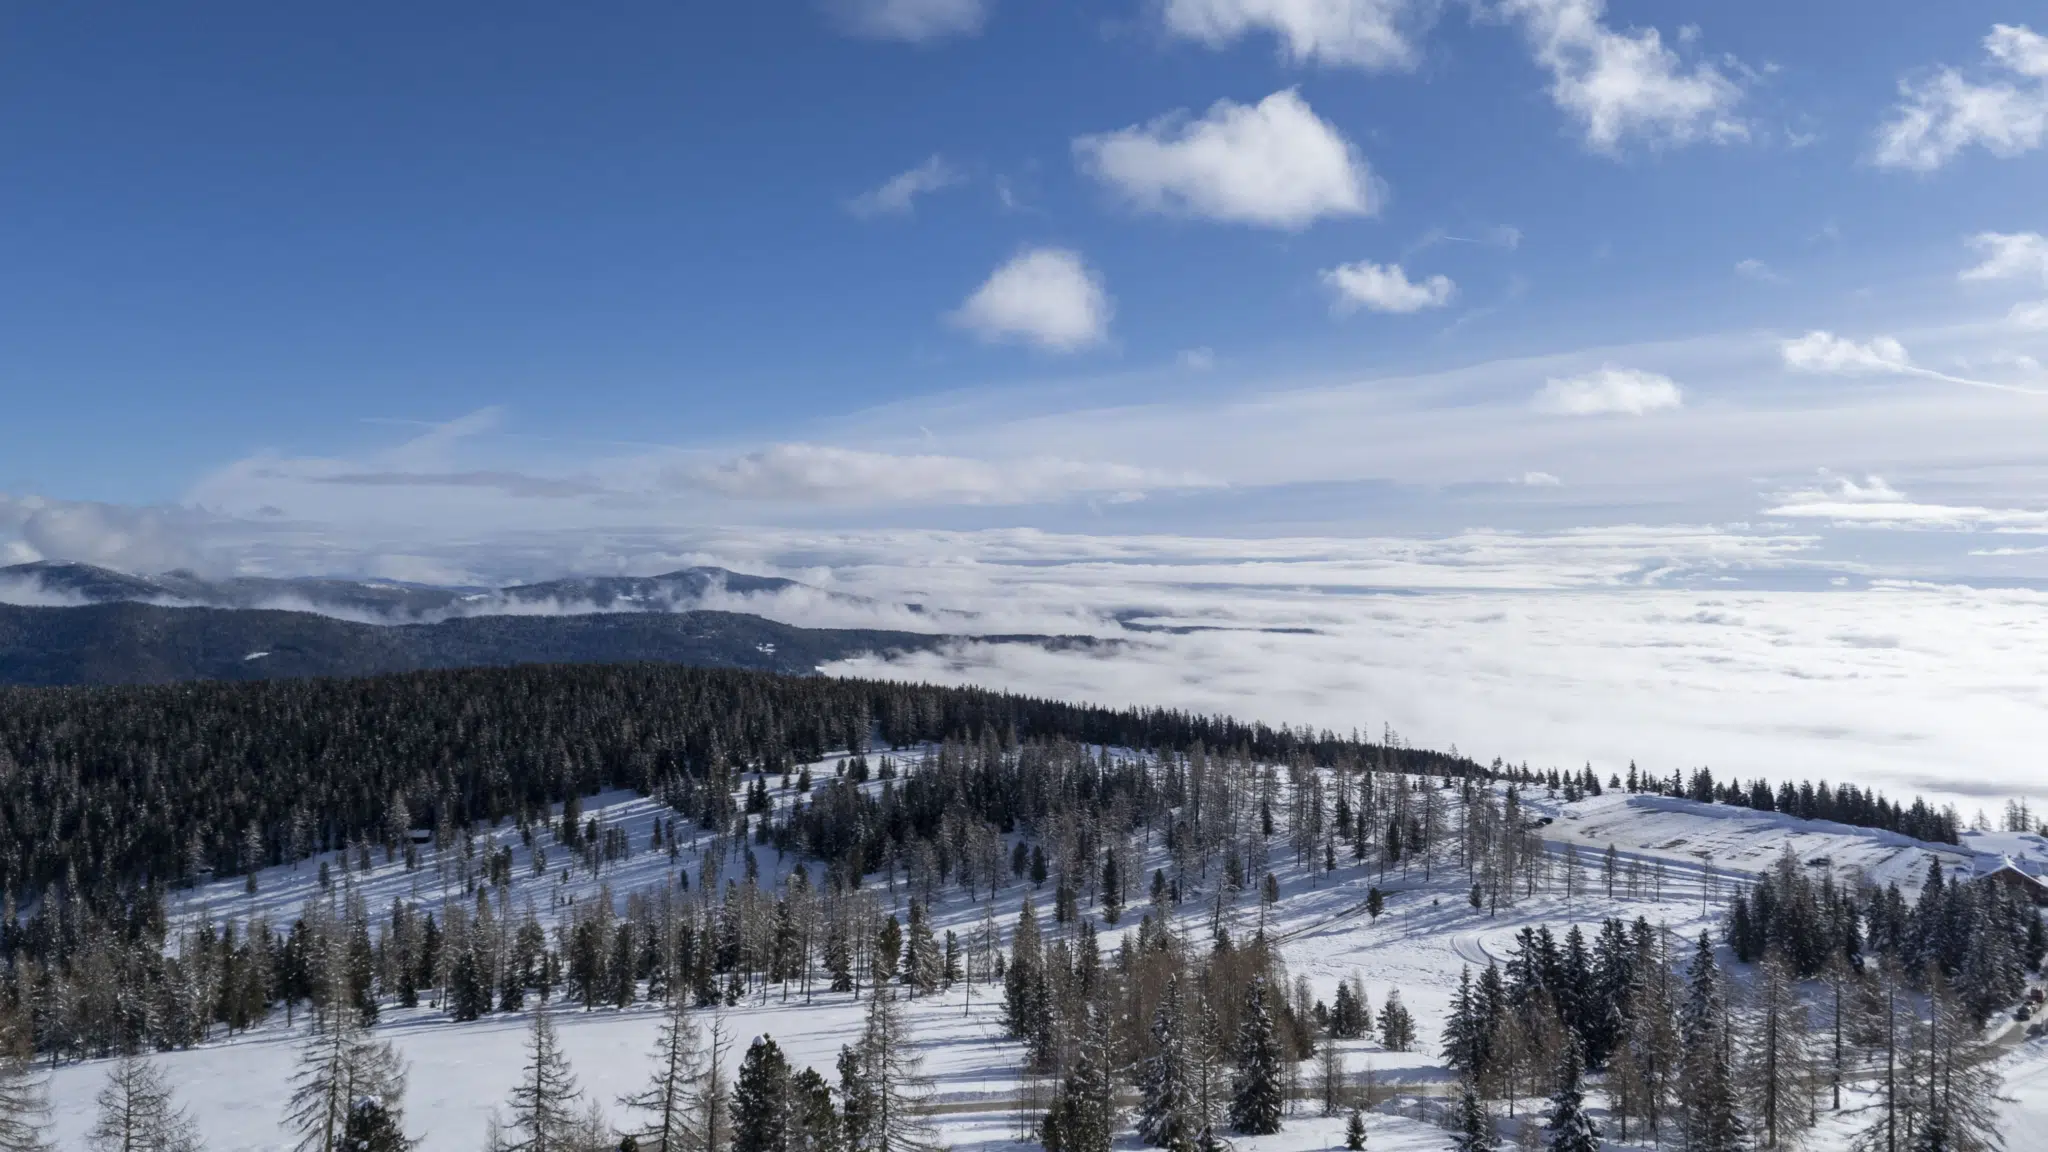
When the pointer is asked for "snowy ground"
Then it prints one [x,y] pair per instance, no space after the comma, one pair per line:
[1426,936]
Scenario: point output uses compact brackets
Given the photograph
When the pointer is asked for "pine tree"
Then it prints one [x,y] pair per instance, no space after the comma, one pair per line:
[665,1102]
[1474,1124]
[543,1103]
[1567,1127]
[136,1113]
[1166,1096]
[1354,1132]
[760,1100]
[1257,1097]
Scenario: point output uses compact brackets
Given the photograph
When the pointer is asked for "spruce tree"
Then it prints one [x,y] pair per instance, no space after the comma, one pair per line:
[1354,1132]
[922,964]
[1257,1097]
[1397,1026]
[1567,1128]
[1474,1131]
[760,1100]
[1166,1097]
[1081,1118]
[136,1113]
[1707,1087]
[813,1121]
[371,1128]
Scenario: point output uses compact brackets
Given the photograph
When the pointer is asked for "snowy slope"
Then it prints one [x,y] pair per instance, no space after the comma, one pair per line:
[1735,840]
[1426,936]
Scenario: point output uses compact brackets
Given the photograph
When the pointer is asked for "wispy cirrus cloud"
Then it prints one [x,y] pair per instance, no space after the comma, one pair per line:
[823,474]
[1274,164]
[1823,352]
[898,195]
[910,21]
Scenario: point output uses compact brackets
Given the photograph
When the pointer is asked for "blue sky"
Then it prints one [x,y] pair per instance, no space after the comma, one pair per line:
[657,265]
[1560,379]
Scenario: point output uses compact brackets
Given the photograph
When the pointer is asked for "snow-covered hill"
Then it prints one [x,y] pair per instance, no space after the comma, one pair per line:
[1427,934]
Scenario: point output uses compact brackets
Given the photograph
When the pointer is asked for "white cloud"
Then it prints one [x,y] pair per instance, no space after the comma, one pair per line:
[1197,359]
[1385,288]
[1537,480]
[823,474]
[913,21]
[2010,256]
[1758,270]
[1371,34]
[1620,85]
[2033,316]
[1610,390]
[130,538]
[1046,296]
[898,195]
[1939,116]
[1273,164]
[1820,351]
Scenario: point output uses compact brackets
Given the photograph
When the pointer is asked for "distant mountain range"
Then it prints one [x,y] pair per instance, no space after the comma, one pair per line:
[86,625]
[386,601]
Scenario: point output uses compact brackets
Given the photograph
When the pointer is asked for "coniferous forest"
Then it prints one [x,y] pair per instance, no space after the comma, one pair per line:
[111,800]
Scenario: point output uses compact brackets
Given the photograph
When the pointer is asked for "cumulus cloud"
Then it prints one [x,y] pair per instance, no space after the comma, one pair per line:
[1374,35]
[1385,288]
[1609,391]
[898,195]
[2009,256]
[1940,115]
[822,474]
[912,21]
[1821,351]
[1274,164]
[1625,85]
[2031,316]
[1044,296]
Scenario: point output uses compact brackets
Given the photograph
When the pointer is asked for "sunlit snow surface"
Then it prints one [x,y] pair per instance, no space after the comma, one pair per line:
[236,1088]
